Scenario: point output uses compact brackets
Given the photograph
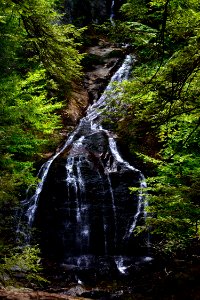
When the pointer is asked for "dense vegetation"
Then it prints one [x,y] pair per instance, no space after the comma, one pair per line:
[162,101]
[39,59]
[157,113]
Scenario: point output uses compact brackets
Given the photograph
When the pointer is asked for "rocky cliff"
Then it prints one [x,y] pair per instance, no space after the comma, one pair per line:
[100,63]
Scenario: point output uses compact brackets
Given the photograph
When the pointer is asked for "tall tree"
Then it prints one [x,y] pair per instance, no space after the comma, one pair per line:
[54,43]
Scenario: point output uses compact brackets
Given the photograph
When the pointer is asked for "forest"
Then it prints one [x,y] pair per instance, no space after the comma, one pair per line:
[156,111]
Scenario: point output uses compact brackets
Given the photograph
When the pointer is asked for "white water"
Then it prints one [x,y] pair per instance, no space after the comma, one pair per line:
[140,206]
[32,202]
[112,13]
[122,73]
[117,156]
[120,264]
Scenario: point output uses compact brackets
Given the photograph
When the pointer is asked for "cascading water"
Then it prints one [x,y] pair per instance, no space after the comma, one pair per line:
[82,205]
[140,207]
[112,12]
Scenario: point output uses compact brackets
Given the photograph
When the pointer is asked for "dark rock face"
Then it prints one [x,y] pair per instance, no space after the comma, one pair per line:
[102,61]
[87,11]
[85,206]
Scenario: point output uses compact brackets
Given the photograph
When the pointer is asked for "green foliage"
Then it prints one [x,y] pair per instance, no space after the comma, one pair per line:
[46,39]
[134,33]
[26,114]
[135,10]
[173,212]
[38,55]
[161,105]
[26,263]
[28,125]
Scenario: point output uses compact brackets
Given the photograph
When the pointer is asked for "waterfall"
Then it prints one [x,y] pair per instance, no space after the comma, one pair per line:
[140,206]
[82,205]
[29,205]
[112,12]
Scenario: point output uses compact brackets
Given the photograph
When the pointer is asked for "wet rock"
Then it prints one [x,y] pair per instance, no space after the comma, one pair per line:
[100,63]
[90,11]
[99,70]
[87,11]
[76,291]
[93,214]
